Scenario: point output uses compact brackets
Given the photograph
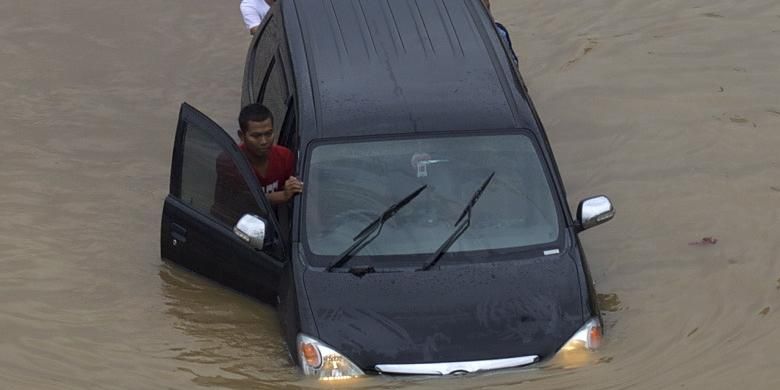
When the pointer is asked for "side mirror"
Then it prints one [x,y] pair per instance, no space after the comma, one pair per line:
[251,229]
[594,211]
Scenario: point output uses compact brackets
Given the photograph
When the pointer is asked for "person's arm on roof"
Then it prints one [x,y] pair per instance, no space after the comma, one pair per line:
[504,34]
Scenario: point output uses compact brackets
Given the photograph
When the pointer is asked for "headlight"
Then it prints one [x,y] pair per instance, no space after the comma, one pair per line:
[587,338]
[321,361]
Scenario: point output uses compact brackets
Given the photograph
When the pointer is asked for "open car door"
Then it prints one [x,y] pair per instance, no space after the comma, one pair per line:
[212,188]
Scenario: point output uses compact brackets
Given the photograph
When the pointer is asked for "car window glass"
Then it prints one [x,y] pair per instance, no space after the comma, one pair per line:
[356,181]
[275,94]
[263,54]
[211,182]
[288,133]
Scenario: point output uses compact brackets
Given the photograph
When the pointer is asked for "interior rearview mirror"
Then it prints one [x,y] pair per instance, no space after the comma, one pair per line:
[251,229]
[594,211]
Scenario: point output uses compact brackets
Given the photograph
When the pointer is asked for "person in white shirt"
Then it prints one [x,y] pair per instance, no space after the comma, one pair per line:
[253,12]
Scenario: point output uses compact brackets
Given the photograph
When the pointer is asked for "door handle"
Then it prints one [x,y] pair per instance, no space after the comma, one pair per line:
[178,234]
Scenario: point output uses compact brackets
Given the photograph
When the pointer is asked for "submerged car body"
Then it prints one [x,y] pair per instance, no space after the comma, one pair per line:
[433,235]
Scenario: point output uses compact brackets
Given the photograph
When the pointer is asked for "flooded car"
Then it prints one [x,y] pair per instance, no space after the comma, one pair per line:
[433,235]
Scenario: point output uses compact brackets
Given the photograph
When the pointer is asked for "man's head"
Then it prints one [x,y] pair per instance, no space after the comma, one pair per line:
[256,129]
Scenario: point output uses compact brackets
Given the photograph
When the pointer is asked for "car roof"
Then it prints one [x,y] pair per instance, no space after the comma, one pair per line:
[368,67]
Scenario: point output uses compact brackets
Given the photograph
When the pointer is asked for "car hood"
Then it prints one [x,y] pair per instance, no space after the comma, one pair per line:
[456,313]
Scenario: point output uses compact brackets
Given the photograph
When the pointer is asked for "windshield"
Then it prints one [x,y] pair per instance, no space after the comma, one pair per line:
[351,184]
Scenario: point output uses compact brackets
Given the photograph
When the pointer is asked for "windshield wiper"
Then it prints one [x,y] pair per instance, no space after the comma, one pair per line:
[364,237]
[460,227]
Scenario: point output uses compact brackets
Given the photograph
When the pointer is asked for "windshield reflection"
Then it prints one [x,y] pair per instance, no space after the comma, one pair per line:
[352,183]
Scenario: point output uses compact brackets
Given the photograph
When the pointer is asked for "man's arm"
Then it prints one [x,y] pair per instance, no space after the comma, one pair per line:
[292,187]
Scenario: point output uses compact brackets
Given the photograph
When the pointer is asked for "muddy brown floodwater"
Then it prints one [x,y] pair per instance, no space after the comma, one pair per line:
[672,108]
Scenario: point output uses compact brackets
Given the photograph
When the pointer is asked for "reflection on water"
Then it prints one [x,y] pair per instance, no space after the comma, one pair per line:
[609,302]
[574,359]
[236,341]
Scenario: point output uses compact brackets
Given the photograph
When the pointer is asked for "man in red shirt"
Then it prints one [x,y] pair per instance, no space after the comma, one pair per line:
[273,164]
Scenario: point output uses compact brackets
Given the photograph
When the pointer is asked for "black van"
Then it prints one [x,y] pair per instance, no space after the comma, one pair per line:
[433,235]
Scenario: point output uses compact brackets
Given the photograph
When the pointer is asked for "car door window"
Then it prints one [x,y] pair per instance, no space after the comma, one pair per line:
[275,93]
[211,181]
[288,133]
[262,55]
